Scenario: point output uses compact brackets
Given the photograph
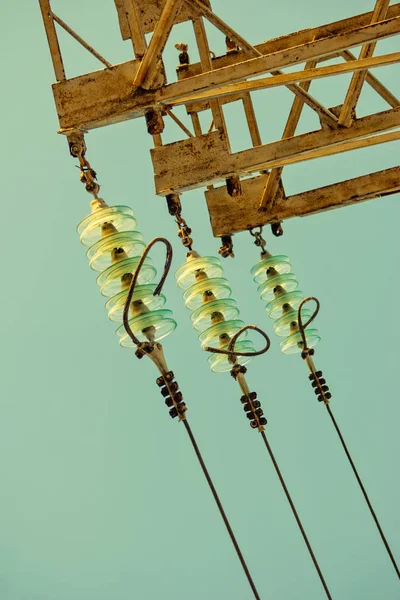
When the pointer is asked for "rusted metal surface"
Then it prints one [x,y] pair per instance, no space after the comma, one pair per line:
[205,151]
[231,215]
[375,83]
[353,94]
[149,12]
[220,90]
[130,26]
[123,19]
[138,88]
[204,161]
[298,38]
[79,109]
[153,54]
[52,40]
[96,99]
[271,187]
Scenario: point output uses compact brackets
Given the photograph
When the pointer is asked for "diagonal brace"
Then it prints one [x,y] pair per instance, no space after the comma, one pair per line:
[326,115]
[152,56]
[374,82]
[353,93]
[81,41]
[272,185]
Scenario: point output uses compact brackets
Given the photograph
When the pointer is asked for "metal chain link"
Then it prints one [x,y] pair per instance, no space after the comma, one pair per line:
[259,240]
[175,210]
[88,176]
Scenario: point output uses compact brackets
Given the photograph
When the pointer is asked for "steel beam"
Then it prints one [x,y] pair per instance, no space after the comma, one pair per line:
[292,40]
[197,162]
[77,109]
[243,212]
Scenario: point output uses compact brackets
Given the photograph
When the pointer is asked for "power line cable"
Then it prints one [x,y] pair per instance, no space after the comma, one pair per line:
[221,509]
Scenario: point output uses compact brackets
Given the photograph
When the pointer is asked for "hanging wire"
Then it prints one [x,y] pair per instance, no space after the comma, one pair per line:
[221,510]
[319,384]
[147,348]
[296,516]
[239,372]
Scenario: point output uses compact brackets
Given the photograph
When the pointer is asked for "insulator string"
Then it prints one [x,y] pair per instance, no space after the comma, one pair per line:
[221,509]
[360,483]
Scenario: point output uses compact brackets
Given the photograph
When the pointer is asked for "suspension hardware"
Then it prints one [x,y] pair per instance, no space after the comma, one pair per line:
[174,204]
[233,186]
[184,58]
[77,149]
[277,229]
[154,121]
[175,210]
[226,248]
[259,241]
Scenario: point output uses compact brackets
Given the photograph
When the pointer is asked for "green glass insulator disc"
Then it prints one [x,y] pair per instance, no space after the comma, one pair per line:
[220,363]
[116,304]
[274,308]
[279,262]
[287,280]
[201,317]
[282,325]
[110,279]
[158,323]
[89,229]
[186,274]
[211,336]
[293,344]
[219,286]
[99,254]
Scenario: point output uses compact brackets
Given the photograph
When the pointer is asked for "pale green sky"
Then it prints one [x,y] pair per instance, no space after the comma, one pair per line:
[101,496]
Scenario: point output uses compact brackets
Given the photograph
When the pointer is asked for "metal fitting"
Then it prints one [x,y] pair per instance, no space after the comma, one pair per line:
[233,186]
[253,410]
[76,143]
[320,388]
[226,248]
[173,397]
[154,121]
[184,58]
[174,204]
[231,46]
[277,229]
[238,369]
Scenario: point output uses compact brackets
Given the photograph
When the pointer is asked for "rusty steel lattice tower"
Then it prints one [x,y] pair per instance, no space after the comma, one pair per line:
[251,195]
[139,88]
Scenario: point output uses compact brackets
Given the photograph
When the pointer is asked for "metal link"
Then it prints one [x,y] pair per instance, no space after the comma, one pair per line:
[77,149]
[175,210]
[226,249]
[259,240]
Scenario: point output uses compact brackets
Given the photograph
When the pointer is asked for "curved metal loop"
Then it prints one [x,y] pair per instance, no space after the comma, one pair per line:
[256,233]
[231,348]
[157,291]
[303,327]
